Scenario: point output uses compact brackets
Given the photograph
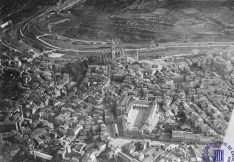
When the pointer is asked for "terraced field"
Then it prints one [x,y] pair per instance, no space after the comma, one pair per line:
[140,23]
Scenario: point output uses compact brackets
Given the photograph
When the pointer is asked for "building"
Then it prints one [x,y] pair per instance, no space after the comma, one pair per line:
[190,138]
[41,155]
[6,24]
[129,148]
[115,130]
[119,76]
[142,116]
[79,148]
[122,157]
[8,127]
[65,80]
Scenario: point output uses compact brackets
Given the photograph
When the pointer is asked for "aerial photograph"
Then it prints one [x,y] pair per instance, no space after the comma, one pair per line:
[116,80]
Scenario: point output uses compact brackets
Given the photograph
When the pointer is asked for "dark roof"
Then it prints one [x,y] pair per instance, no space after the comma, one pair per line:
[7,128]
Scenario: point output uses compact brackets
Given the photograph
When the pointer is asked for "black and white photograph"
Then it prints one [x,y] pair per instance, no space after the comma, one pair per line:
[116,80]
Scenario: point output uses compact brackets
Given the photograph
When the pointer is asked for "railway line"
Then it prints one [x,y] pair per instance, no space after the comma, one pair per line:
[29,25]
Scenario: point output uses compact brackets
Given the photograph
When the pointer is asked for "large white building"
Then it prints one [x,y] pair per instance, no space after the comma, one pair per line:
[142,117]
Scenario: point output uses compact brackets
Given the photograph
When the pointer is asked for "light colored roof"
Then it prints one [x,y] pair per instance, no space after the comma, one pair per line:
[125,156]
[160,11]
[189,10]
[141,102]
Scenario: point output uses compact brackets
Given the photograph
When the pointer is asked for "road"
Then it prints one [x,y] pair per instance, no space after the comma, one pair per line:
[160,47]
[70,3]
[51,47]
[20,29]
[120,141]
[11,48]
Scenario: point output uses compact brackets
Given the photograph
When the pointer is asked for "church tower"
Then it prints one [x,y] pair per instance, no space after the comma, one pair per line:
[113,49]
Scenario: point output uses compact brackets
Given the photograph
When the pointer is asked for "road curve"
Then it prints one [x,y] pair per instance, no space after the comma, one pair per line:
[70,3]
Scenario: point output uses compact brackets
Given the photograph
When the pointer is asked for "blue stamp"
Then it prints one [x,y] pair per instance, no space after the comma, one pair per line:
[218,151]
[218,155]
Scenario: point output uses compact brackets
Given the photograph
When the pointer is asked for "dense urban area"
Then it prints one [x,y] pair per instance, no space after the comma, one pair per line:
[89,98]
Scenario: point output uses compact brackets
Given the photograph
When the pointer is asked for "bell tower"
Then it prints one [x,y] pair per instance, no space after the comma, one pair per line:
[113,49]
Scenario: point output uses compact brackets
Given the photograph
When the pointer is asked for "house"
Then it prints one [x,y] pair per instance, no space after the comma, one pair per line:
[8,127]
[143,145]
[189,137]
[41,155]
[65,80]
[115,130]
[101,146]
[70,138]
[90,156]
[79,148]
[39,140]
[119,76]
[122,157]
[230,100]
[138,155]
[129,148]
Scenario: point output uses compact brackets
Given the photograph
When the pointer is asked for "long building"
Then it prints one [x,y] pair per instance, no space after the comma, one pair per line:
[142,117]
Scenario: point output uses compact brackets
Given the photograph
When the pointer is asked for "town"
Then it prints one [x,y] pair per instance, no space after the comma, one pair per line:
[69,100]
[124,108]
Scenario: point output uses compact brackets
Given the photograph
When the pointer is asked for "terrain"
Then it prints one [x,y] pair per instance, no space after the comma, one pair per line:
[144,21]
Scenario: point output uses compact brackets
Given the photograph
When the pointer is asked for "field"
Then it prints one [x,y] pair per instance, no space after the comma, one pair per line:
[142,22]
